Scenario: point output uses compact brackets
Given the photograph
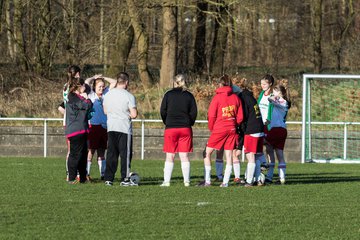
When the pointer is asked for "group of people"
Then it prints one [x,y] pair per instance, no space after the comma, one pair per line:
[97,118]
[237,121]
[98,113]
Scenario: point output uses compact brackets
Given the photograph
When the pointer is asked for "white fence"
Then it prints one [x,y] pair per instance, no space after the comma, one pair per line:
[144,121]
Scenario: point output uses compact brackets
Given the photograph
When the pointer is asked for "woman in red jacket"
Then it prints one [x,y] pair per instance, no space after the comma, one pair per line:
[225,113]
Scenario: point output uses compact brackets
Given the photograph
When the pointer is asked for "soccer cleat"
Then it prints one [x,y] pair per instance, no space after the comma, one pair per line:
[108,183]
[73,182]
[128,183]
[238,181]
[102,178]
[223,185]
[248,185]
[165,184]
[186,184]
[280,182]
[268,181]
[204,184]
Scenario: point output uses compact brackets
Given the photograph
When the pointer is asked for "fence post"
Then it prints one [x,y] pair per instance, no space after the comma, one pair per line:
[142,138]
[345,141]
[45,138]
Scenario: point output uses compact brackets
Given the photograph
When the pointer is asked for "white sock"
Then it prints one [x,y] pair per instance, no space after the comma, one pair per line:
[168,171]
[185,168]
[208,174]
[250,172]
[219,165]
[270,172]
[88,167]
[227,174]
[257,170]
[282,170]
[236,167]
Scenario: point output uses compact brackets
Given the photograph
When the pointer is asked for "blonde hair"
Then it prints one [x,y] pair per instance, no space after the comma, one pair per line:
[180,81]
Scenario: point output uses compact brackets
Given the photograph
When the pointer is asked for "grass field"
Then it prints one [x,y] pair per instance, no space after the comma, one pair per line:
[319,201]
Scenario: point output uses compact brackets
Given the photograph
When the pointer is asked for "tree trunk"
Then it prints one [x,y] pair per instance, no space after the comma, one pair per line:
[142,43]
[316,19]
[124,40]
[200,37]
[220,39]
[169,45]
[344,30]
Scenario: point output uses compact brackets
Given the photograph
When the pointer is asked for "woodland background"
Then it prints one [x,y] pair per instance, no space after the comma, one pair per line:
[153,40]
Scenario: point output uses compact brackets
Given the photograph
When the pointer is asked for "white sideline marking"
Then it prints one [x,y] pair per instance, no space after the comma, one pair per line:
[203,203]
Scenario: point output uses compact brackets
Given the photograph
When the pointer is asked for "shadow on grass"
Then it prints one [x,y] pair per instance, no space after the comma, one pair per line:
[291,179]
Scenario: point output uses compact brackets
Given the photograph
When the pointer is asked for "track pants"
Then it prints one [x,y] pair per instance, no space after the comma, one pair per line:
[119,144]
[77,157]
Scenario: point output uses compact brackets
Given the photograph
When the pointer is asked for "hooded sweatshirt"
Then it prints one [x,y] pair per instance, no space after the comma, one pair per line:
[225,110]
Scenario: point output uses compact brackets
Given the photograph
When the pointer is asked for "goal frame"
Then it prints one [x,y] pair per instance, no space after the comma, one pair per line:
[306,100]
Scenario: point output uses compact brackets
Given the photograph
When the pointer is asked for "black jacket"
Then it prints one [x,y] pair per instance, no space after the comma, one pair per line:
[178,108]
[252,122]
[77,115]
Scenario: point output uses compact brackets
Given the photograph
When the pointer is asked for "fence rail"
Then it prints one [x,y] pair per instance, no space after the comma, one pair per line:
[144,121]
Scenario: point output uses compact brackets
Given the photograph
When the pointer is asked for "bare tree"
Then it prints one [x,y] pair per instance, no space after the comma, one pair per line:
[200,37]
[142,40]
[170,42]
[316,20]
[219,41]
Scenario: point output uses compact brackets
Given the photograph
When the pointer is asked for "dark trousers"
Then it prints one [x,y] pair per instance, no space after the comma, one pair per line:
[78,157]
[119,144]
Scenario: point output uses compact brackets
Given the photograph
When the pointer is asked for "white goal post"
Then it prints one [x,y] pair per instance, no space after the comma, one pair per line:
[330,118]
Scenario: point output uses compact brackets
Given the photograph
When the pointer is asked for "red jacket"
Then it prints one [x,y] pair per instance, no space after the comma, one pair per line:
[225,110]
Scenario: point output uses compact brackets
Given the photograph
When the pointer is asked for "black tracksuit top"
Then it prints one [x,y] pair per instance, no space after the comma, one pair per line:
[178,109]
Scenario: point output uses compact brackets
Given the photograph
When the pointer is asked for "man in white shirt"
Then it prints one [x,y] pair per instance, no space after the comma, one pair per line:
[120,107]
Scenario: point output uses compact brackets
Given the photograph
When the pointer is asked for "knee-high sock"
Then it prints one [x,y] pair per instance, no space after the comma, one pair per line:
[227,174]
[168,168]
[270,172]
[185,168]
[102,165]
[88,167]
[250,172]
[282,170]
[208,174]
[236,167]
[219,165]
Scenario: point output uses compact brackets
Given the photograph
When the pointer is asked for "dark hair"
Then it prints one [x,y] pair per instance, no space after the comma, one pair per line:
[75,83]
[122,77]
[224,80]
[269,78]
[285,94]
[71,73]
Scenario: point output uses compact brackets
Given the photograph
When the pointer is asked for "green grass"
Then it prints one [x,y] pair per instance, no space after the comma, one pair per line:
[319,201]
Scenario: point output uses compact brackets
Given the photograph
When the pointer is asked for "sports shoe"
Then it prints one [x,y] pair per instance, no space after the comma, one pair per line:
[280,182]
[73,182]
[102,178]
[204,184]
[165,184]
[186,184]
[223,185]
[128,183]
[108,183]
[219,179]
[248,185]
[238,181]
[268,181]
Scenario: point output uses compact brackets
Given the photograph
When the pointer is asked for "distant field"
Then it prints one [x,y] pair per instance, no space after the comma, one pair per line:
[319,201]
